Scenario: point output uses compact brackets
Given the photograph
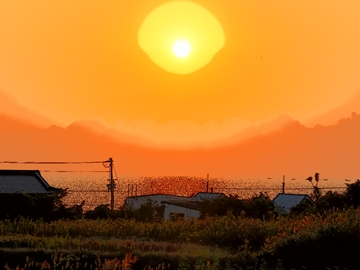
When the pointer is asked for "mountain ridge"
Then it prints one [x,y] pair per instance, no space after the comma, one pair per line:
[293,150]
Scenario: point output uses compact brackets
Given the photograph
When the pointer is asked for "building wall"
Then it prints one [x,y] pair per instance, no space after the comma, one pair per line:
[172,209]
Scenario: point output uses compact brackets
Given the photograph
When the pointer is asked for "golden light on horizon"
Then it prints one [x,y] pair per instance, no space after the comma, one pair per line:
[181,37]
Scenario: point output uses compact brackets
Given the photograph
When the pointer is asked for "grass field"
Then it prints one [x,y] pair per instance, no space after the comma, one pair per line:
[311,241]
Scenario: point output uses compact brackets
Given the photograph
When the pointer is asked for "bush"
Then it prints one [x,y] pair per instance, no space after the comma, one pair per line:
[46,206]
[256,207]
[102,211]
[147,212]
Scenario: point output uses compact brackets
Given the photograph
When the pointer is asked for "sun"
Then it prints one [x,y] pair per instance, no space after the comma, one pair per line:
[181,37]
[181,48]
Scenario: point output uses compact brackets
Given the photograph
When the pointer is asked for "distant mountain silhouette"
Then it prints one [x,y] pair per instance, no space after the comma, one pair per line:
[294,150]
[331,117]
[10,108]
[11,123]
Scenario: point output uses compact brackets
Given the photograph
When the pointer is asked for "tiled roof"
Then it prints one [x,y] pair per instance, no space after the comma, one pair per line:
[28,181]
[287,201]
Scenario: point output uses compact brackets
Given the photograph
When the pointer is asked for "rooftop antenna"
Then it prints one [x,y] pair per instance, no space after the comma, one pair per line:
[283,185]
[207,184]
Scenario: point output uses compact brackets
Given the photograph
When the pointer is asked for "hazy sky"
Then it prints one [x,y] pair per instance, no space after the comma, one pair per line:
[74,60]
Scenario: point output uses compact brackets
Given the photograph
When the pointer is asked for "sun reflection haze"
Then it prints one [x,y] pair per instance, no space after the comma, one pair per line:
[181,37]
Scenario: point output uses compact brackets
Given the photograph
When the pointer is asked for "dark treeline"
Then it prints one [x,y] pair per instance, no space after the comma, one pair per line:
[46,206]
[262,207]
[50,207]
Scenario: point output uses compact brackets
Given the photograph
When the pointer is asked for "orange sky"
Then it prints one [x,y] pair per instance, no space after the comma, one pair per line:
[77,60]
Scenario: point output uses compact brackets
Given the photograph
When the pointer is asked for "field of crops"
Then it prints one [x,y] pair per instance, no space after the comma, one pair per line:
[311,241]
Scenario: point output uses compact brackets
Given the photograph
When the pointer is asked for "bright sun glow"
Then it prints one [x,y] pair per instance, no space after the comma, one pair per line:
[181,36]
[181,48]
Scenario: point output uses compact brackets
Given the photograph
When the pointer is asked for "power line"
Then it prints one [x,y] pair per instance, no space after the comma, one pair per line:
[276,188]
[74,190]
[72,171]
[51,162]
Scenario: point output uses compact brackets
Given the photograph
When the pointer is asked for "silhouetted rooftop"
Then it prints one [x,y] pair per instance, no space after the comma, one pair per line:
[206,196]
[28,181]
[287,201]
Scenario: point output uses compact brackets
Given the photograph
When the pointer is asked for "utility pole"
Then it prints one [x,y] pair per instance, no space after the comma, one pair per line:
[111,186]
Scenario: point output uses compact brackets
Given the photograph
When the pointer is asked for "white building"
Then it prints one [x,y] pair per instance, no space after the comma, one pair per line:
[187,209]
[175,206]
[175,209]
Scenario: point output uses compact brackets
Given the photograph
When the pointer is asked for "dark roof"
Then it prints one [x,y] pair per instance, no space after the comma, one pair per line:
[286,201]
[28,181]
[155,194]
[186,204]
[201,196]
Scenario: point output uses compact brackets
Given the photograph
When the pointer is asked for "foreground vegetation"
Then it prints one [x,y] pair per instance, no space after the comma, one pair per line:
[314,241]
[232,234]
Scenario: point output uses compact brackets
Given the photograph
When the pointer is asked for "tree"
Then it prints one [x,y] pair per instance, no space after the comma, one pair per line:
[330,200]
[148,211]
[352,193]
[257,206]
[46,206]
[16,204]
[221,206]
[316,192]
[101,211]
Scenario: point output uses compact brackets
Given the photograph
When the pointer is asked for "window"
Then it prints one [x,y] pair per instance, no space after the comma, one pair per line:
[177,216]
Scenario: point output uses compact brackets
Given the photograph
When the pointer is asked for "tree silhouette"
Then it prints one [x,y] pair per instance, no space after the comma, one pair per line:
[316,192]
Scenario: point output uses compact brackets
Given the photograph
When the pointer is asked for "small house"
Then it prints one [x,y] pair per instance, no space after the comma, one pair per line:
[284,202]
[25,193]
[27,181]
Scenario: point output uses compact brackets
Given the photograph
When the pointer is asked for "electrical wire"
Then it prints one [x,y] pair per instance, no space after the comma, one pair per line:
[62,171]
[309,188]
[51,162]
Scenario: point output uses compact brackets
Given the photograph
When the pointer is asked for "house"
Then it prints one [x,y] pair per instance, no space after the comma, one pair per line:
[175,206]
[187,208]
[135,202]
[184,209]
[284,202]
[27,181]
